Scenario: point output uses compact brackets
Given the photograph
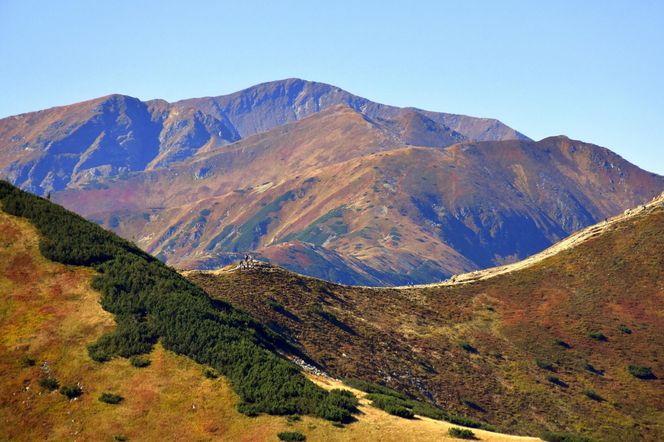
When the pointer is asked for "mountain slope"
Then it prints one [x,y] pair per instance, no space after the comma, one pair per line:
[76,145]
[50,313]
[317,180]
[543,347]
[338,183]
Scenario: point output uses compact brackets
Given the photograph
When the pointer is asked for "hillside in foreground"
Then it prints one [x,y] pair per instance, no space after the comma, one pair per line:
[572,343]
[50,314]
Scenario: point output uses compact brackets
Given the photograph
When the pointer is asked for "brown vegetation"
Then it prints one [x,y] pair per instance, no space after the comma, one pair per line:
[410,338]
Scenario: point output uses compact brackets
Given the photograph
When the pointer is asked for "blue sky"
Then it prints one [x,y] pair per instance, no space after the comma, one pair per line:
[592,70]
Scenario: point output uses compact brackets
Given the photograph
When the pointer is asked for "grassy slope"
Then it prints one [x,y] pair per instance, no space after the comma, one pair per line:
[410,338]
[49,312]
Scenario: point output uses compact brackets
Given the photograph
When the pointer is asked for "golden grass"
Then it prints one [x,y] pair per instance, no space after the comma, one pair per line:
[49,312]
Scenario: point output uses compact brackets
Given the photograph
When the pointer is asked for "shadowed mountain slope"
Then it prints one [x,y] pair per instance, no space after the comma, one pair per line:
[336,196]
[572,343]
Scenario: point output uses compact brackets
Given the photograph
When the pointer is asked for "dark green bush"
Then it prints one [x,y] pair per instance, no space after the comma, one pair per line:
[250,410]
[27,361]
[140,361]
[461,433]
[369,387]
[111,398]
[342,398]
[588,366]
[289,436]
[71,391]
[469,422]
[565,437]
[623,328]
[210,373]
[563,344]
[593,395]
[557,381]
[408,408]
[121,438]
[392,405]
[544,365]
[472,404]
[151,302]
[275,305]
[598,336]
[398,410]
[640,372]
[428,410]
[468,347]
[49,384]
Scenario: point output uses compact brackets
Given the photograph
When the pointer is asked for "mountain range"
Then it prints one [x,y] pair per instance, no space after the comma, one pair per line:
[101,341]
[317,180]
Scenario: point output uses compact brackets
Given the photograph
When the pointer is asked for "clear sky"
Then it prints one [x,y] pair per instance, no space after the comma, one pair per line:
[593,70]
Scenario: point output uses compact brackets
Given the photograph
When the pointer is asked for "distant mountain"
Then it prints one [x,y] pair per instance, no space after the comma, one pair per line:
[553,346]
[68,146]
[337,196]
[318,180]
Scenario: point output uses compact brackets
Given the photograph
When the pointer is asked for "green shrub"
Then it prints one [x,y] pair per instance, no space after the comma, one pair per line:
[468,347]
[369,387]
[623,328]
[342,398]
[640,372]
[469,422]
[392,405]
[291,436]
[247,409]
[151,302]
[591,394]
[27,361]
[472,404]
[563,344]
[49,384]
[428,410]
[140,361]
[111,398]
[121,438]
[588,366]
[557,381]
[71,391]
[398,410]
[544,365]
[549,436]
[210,373]
[275,305]
[598,336]
[293,418]
[408,408]
[461,433]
